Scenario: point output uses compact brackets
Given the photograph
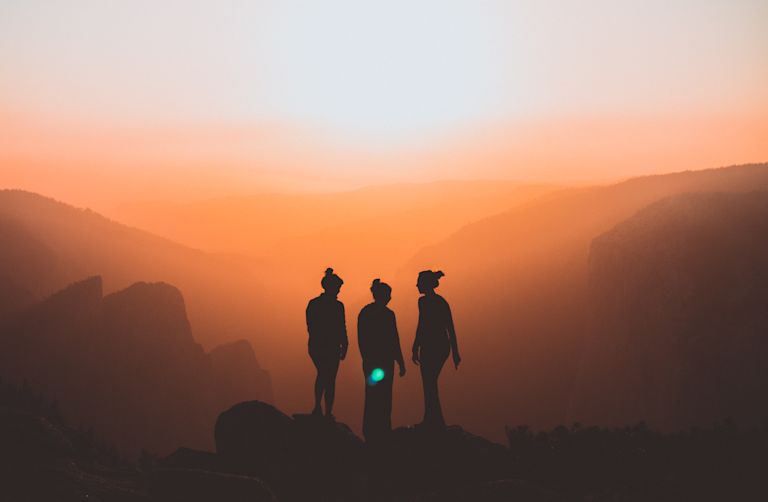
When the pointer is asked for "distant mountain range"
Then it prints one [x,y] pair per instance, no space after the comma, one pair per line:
[523,267]
[518,285]
[127,364]
[48,244]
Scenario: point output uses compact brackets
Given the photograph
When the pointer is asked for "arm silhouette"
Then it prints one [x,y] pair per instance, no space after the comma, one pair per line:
[452,336]
[344,339]
[362,334]
[416,357]
[398,351]
[310,318]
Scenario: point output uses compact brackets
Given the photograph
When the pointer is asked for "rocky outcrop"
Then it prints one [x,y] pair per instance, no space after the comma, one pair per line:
[43,459]
[256,438]
[253,436]
[148,314]
[237,370]
[128,365]
[307,457]
[263,456]
[681,325]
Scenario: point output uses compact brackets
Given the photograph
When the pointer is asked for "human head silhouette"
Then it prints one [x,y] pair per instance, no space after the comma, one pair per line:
[428,281]
[382,292]
[331,282]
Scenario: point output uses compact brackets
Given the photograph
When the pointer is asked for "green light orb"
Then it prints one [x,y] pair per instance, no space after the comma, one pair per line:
[377,375]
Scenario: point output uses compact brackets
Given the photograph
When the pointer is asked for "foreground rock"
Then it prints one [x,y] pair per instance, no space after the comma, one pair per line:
[299,456]
[306,457]
[43,460]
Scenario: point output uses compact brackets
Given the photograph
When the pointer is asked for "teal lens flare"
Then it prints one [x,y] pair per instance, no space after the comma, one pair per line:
[376,376]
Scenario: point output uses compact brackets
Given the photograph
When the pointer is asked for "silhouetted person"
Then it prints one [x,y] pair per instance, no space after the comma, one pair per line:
[380,348]
[435,339]
[327,339]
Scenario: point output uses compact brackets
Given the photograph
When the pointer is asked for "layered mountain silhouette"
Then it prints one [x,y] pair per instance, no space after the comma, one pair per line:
[639,301]
[330,220]
[48,244]
[680,332]
[518,282]
[127,364]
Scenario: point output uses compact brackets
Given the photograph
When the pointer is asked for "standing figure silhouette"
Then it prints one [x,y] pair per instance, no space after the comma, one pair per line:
[328,341]
[435,339]
[380,348]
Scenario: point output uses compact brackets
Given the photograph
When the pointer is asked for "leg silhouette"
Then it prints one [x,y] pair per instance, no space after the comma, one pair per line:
[377,414]
[430,371]
[325,382]
[319,388]
[331,370]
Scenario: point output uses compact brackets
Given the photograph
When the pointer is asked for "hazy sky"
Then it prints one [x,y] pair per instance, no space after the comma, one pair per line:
[348,75]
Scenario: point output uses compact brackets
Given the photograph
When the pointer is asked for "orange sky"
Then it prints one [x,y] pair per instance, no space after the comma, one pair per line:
[102,103]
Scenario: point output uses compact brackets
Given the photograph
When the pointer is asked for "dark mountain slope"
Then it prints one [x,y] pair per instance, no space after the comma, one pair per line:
[27,261]
[517,283]
[126,364]
[680,294]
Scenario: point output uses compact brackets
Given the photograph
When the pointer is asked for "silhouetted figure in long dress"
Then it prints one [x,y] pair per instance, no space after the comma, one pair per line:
[435,340]
[328,341]
[380,348]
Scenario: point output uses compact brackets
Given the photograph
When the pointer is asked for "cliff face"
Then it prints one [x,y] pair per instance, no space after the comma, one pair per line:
[680,303]
[236,369]
[127,364]
[518,282]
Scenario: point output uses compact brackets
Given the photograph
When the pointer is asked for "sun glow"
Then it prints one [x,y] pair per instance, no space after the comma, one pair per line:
[386,70]
[304,94]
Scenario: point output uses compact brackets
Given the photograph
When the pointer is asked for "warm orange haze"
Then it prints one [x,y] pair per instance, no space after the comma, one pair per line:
[591,177]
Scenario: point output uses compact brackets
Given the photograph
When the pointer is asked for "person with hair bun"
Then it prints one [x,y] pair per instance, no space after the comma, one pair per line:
[435,340]
[328,341]
[380,348]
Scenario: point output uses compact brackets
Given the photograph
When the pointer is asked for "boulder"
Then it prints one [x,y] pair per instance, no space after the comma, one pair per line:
[329,456]
[304,457]
[254,437]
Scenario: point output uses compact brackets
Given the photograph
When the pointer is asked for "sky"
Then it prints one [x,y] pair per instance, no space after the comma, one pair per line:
[324,94]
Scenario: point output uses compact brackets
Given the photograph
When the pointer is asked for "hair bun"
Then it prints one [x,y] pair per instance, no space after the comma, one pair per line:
[329,271]
[439,274]
[376,282]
